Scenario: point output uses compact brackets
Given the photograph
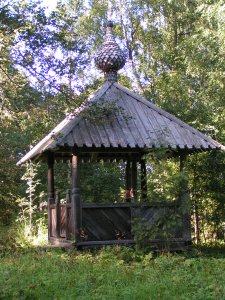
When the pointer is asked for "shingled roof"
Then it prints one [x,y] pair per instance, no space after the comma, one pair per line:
[116,118]
[132,122]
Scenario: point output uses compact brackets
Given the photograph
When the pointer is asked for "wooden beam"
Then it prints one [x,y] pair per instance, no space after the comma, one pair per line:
[134,179]
[128,182]
[68,206]
[51,190]
[144,190]
[58,213]
[103,243]
[185,199]
[76,200]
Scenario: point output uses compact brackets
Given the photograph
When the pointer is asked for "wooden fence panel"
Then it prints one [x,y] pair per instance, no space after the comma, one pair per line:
[53,221]
[113,222]
[63,221]
[106,223]
[68,222]
[165,221]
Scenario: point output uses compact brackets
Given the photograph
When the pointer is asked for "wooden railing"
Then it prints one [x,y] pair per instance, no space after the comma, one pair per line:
[61,217]
[102,222]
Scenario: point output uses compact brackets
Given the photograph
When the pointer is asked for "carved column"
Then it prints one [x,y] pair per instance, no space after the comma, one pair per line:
[134,179]
[76,200]
[144,190]
[51,191]
[128,181]
[184,198]
[58,213]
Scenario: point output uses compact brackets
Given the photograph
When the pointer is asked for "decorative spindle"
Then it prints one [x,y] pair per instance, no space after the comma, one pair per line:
[110,58]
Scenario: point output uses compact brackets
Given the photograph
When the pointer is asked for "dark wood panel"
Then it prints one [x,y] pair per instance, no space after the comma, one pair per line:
[69,222]
[107,223]
[63,221]
[167,219]
[112,223]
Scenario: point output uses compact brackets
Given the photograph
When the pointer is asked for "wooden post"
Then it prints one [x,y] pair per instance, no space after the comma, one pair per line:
[128,182]
[58,214]
[185,201]
[68,203]
[144,190]
[51,190]
[76,200]
[134,179]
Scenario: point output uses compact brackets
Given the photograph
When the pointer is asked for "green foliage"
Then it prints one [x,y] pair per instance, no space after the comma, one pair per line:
[102,182]
[103,112]
[109,275]
[166,224]
[163,177]
[207,176]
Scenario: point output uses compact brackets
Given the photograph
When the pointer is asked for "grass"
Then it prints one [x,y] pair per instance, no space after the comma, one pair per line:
[112,274]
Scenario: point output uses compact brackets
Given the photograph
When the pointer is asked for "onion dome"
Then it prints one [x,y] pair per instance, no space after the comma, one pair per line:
[109,57]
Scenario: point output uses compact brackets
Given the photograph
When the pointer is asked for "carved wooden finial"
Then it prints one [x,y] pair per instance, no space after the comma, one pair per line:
[110,58]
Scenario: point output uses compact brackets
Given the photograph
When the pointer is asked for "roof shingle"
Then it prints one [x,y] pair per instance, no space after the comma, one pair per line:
[134,123]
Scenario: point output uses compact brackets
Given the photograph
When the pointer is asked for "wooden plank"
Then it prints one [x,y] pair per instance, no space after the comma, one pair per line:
[125,204]
[73,119]
[171,117]
[128,181]
[103,135]
[133,123]
[107,124]
[152,137]
[63,220]
[58,214]
[68,228]
[83,132]
[109,242]
[128,150]
[138,110]
[51,192]
[134,179]
[76,200]
[179,139]
[52,229]
[93,131]
[120,129]
[107,223]
[126,124]
[77,136]
[110,134]
[69,223]
[167,138]
[144,191]
[70,141]
[160,129]
[126,242]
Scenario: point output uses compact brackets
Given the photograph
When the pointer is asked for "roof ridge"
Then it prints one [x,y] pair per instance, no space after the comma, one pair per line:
[167,115]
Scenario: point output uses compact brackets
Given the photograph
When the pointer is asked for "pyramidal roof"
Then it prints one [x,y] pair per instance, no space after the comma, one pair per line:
[115,117]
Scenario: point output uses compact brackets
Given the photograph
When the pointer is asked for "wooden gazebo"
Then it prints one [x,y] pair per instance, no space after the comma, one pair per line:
[124,127]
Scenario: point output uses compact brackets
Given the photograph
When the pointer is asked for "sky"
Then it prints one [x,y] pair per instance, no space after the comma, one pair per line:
[50,4]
